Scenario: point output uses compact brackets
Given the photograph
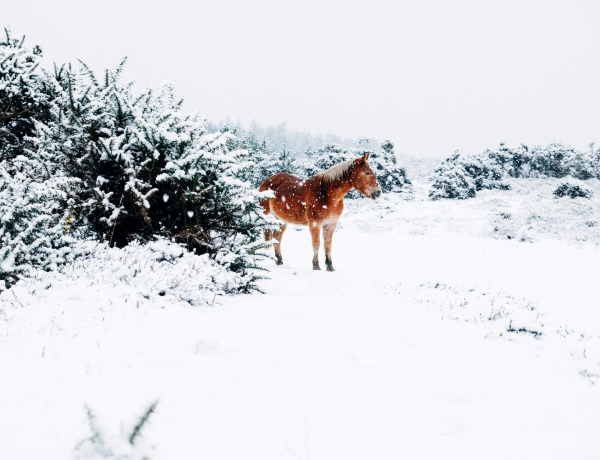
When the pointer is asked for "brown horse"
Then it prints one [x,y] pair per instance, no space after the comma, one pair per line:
[317,202]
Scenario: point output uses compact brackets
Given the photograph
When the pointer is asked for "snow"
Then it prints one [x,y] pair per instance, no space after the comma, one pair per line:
[437,337]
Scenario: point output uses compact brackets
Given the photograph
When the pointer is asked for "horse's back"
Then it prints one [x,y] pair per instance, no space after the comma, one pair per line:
[279,181]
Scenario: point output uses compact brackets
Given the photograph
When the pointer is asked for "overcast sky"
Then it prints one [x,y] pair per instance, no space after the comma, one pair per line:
[431,75]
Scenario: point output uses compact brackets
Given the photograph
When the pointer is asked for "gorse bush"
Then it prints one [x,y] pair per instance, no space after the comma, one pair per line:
[461,177]
[122,167]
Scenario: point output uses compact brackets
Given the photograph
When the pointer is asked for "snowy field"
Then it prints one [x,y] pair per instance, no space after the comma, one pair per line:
[451,329]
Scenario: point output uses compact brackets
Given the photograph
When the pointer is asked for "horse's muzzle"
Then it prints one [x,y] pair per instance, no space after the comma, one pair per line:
[376,194]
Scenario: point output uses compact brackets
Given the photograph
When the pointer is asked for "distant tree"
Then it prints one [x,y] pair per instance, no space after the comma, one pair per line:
[388,151]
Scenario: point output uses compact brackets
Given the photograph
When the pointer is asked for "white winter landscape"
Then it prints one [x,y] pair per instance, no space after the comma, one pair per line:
[436,337]
[144,312]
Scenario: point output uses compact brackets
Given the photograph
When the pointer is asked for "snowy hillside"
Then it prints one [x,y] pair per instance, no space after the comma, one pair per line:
[451,329]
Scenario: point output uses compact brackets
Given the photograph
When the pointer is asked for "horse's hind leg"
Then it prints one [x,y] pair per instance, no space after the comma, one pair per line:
[315,232]
[328,237]
[278,235]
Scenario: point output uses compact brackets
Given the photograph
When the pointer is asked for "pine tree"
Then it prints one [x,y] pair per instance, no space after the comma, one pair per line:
[388,151]
[24,98]
[35,196]
[391,177]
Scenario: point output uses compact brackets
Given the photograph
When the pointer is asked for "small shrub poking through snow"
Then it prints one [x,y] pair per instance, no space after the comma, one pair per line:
[128,446]
[572,191]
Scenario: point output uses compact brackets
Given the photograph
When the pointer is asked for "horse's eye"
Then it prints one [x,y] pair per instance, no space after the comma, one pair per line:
[368,174]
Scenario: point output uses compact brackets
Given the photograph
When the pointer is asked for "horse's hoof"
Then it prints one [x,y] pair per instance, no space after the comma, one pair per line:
[279,262]
[316,267]
[330,268]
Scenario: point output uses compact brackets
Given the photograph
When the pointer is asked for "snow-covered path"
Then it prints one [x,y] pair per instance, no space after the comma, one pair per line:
[362,363]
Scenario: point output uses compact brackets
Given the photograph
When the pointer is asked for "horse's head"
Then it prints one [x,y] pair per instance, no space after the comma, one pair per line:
[363,178]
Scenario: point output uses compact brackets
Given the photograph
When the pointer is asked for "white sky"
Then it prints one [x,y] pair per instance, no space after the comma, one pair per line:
[431,75]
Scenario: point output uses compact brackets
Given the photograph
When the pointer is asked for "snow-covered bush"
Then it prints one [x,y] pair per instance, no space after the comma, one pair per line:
[461,177]
[147,170]
[451,180]
[572,191]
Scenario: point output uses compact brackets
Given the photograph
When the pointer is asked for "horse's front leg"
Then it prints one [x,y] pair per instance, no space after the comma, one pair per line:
[315,232]
[328,230]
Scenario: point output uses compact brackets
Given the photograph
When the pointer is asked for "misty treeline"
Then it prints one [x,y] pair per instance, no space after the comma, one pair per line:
[280,136]
[83,156]
[269,160]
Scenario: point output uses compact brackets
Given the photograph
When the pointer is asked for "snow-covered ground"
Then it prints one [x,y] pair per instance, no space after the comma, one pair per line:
[437,337]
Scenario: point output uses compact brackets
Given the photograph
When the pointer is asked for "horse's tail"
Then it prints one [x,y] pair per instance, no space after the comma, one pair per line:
[266,204]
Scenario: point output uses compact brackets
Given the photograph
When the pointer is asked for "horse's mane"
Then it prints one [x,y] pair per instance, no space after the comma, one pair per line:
[340,171]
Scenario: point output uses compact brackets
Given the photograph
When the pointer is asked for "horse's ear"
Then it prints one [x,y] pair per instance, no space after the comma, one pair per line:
[362,160]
